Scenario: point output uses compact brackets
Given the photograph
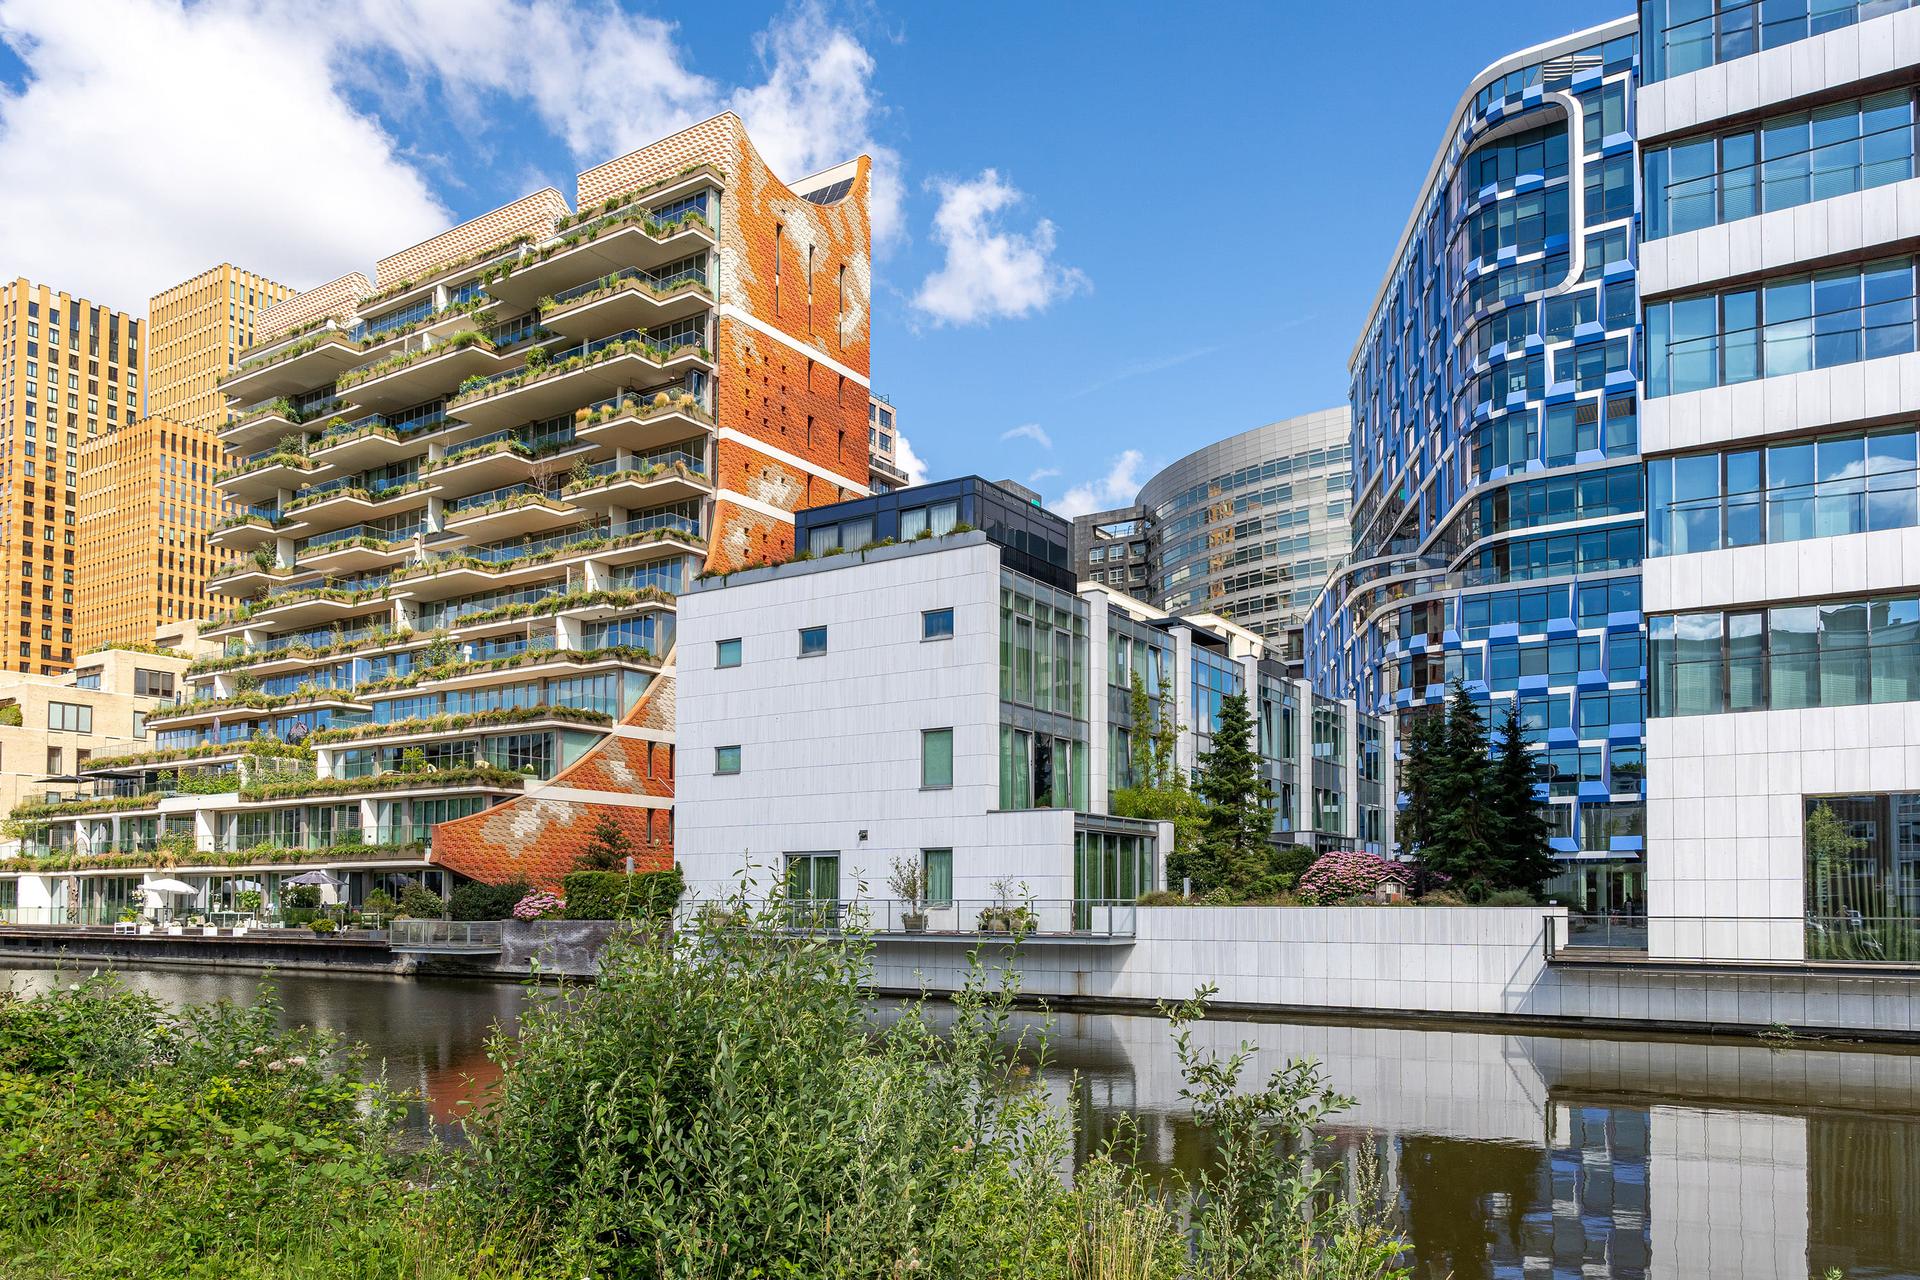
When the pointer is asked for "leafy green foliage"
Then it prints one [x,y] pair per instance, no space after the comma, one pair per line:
[422,903]
[615,895]
[477,901]
[1159,791]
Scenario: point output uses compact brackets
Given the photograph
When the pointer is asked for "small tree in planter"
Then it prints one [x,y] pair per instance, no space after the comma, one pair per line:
[1004,915]
[908,882]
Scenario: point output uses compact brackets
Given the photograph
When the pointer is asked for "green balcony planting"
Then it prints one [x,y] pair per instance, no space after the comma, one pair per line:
[480,387]
[78,808]
[262,745]
[400,360]
[281,457]
[625,282]
[635,475]
[625,198]
[526,657]
[359,492]
[287,353]
[396,780]
[261,855]
[641,406]
[461,723]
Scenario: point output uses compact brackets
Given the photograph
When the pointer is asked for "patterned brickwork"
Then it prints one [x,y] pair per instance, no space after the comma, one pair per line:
[713,142]
[531,216]
[333,300]
[541,840]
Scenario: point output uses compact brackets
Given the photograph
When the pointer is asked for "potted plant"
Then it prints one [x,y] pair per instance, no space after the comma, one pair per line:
[323,926]
[909,884]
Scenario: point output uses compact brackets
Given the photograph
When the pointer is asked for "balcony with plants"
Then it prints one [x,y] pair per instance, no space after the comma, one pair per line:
[426,369]
[345,446]
[265,475]
[632,238]
[677,473]
[247,530]
[356,548]
[260,425]
[510,511]
[542,449]
[402,780]
[251,576]
[330,601]
[551,383]
[251,704]
[359,498]
[520,560]
[641,421]
[423,728]
[630,299]
[311,361]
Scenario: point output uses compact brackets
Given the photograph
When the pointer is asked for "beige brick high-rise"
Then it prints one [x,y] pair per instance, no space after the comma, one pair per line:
[147,500]
[69,371]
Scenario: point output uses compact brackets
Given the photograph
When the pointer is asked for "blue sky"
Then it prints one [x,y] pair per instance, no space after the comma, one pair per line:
[1114,232]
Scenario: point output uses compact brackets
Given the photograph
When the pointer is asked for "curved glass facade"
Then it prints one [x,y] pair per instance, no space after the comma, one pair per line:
[1249,527]
[1497,525]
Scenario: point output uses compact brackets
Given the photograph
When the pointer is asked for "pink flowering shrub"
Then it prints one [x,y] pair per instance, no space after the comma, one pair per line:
[539,905]
[1336,876]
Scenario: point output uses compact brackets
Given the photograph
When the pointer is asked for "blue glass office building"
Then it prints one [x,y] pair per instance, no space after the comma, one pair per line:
[1498,506]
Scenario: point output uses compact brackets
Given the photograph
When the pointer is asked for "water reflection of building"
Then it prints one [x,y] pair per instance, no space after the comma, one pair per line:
[1533,1156]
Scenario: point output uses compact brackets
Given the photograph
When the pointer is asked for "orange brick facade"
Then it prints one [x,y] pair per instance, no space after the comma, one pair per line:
[791,342]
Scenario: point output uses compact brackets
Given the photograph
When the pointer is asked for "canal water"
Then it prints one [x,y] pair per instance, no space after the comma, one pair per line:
[1518,1156]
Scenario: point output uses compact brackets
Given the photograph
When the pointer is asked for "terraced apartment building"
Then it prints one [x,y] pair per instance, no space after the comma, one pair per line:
[472,487]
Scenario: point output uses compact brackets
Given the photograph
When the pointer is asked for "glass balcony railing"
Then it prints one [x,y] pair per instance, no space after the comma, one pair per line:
[352,532]
[660,458]
[659,281]
[504,493]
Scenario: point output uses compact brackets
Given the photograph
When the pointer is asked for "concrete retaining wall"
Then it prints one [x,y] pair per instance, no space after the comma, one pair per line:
[1412,961]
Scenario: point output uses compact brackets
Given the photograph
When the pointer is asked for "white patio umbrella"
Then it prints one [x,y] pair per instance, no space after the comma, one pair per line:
[169,886]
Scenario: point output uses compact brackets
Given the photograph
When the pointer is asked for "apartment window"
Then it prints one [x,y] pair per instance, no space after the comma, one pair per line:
[70,717]
[726,653]
[936,868]
[813,641]
[139,724]
[936,624]
[917,522]
[936,757]
[726,760]
[53,762]
[152,684]
[1830,654]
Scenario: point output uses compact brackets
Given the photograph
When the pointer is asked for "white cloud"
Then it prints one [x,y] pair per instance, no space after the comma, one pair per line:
[908,461]
[135,159]
[990,272]
[1118,488]
[1042,475]
[1030,431]
[817,109]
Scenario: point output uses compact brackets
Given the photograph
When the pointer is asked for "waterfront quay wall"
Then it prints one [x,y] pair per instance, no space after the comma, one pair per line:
[267,949]
[1482,963]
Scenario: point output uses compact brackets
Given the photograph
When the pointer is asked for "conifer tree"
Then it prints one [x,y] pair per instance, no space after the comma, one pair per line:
[1520,857]
[607,847]
[1234,844]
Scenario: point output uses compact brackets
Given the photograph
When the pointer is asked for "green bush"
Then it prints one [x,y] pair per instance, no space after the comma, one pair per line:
[421,902]
[1511,898]
[477,901]
[614,895]
[380,903]
[303,897]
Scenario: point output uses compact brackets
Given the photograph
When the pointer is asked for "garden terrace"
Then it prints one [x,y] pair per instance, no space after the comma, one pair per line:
[248,577]
[302,606]
[641,422]
[563,381]
[265,476]
[117,757]
[535,661]
[262,425]
[257,857]
[241,706]
[78,806]
[646,482]
[416,376]
[629,299]
[627,241]
[395,781]
[500,457]
[308,362]
[512,511]
[348,448]
[245,531]
[353,549]
[482,568]
[420,728]
[394,295]
[320,507]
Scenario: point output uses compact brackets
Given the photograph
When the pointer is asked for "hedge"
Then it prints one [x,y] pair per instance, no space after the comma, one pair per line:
[615,895]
